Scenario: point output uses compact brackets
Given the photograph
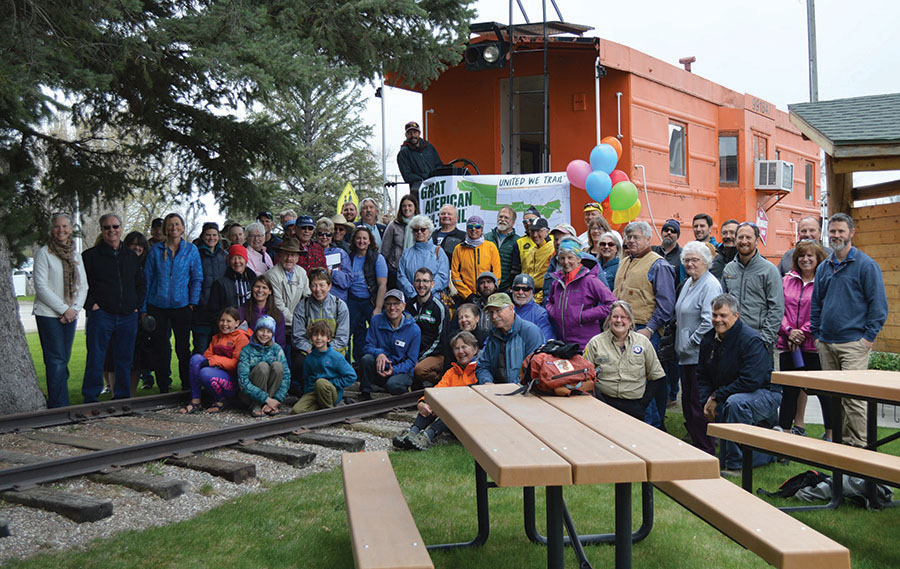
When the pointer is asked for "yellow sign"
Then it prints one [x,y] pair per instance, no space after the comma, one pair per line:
[348,195]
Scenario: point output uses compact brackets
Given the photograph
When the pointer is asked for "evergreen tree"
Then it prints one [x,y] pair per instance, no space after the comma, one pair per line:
[175,79]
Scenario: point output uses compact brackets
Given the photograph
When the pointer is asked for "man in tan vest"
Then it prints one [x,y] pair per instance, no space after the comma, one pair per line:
[647,281]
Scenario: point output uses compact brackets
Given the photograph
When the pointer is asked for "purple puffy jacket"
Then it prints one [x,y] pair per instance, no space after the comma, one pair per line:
[578,309]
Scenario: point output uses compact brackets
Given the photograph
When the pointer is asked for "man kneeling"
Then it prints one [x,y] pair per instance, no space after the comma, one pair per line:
[392,349]
[734,378]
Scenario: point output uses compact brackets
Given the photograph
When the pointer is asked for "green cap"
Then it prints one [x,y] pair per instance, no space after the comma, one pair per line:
[498,300]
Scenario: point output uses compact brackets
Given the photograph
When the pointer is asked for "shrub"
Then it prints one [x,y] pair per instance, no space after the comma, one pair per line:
[884,360]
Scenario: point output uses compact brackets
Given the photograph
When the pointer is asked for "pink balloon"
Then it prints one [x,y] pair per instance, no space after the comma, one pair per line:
[618,176]
[578,171]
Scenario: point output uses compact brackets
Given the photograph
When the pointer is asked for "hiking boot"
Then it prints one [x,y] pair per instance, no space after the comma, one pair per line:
[365,396]
[795,430]
[419,441]
[401,441]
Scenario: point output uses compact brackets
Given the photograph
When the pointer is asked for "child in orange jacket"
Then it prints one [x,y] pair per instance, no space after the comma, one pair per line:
[216,368]
[427,426]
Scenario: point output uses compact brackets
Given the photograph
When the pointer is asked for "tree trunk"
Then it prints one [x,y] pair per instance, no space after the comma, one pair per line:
[19,389]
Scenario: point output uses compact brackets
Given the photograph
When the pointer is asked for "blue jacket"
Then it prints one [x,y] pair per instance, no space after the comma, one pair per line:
[522,339]
[329,365]
[538,316]
[253,354]
[173,281]
[418,256]
[401,346]
[848,301]
[610,268]
[739,363]
[213,262]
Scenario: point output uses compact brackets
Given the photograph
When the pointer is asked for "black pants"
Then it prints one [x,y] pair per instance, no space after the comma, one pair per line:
[169,320]
[789,393]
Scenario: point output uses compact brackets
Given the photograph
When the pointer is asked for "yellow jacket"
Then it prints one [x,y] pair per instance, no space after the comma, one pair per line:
[535,261]
[469,262]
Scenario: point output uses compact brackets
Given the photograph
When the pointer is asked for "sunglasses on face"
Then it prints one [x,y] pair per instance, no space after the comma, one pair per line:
[324,234]
[108,227]
[606,244]
[419,229]
[473,226]
[668,230]
[521,289]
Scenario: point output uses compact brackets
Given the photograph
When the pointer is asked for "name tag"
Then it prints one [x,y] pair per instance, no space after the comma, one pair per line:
[400,343]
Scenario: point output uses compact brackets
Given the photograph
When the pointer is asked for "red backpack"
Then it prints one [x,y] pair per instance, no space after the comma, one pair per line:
[558,368]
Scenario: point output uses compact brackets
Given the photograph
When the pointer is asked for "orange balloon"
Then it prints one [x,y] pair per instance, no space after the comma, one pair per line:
[614,142]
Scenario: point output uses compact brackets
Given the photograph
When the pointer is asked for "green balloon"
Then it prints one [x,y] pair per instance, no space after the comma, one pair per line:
[623,196]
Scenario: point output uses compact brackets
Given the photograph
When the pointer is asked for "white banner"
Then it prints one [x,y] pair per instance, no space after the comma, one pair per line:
[485,195]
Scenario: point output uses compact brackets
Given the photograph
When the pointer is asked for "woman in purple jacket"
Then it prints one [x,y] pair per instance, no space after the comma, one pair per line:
[798,348]
[579,299]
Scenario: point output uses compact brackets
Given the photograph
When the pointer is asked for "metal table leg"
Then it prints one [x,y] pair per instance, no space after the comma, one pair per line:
[623,525]
[555,559]
[483,512]
[591,539]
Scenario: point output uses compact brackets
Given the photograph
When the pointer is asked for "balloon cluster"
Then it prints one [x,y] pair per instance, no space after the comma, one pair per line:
[603,182]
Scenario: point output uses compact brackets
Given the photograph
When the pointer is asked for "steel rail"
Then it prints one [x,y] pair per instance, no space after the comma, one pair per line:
[88,411]
[26,476]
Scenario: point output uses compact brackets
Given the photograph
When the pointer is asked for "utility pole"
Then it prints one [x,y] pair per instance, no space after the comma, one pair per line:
[811,33]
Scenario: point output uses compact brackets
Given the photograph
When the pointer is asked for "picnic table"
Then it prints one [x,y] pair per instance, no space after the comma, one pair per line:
[552,442]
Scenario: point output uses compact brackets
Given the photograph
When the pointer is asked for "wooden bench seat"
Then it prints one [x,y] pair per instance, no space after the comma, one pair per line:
[773,535]
[860,461]
[382,530]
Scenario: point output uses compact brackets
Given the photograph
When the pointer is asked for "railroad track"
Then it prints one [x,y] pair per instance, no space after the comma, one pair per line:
[71,461]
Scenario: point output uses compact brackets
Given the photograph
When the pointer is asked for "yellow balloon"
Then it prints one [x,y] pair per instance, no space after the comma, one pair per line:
[626,215]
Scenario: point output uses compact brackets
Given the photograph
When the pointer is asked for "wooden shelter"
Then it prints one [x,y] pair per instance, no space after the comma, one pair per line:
[863,134]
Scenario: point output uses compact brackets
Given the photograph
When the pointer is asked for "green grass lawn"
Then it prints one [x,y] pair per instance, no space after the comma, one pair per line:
[76,367]
[303,524]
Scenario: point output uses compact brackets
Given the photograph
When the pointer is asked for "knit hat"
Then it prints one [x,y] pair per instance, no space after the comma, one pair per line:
[475,219]
[523,280]
[266,322]
[674,225]
[487,275]
[238,249]
[570,245]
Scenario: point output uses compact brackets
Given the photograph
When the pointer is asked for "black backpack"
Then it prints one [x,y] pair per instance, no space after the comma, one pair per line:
[789,487]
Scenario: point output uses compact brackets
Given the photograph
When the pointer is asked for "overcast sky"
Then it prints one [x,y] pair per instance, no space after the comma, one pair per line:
[757,47]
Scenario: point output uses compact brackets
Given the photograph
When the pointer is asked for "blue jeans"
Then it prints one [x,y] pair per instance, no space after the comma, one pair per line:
[101,327]
[56,343]
[395,384]
[360,315]
[760,406]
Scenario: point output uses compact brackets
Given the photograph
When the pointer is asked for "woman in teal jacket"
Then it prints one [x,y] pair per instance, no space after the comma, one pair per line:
[263,372]
[174,279]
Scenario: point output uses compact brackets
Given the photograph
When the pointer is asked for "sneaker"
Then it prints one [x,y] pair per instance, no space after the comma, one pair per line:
[732,473]
[365,396]
[104,390]
[795,430]
[419,441]
[673,403]
[401,441]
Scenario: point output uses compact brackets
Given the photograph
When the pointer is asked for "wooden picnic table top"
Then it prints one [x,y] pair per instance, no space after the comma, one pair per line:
[547,441]
[872,383]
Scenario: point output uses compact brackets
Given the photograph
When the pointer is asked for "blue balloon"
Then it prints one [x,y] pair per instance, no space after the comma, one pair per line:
[604,158]
[598,184]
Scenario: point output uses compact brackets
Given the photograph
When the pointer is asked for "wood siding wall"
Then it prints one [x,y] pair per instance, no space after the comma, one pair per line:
[877,231]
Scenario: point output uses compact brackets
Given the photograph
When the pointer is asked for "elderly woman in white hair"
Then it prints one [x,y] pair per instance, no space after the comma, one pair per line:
[693,313]
[336,258]
[258,258]
[423,254]
[60,289]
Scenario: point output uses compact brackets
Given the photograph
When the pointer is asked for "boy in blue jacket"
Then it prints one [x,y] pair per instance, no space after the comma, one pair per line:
[392,349]
[325,372]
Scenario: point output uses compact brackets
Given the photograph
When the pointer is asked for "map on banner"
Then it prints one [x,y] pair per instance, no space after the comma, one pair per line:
[486,195]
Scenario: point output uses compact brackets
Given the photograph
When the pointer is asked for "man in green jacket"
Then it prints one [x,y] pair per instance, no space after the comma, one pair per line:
[504,237]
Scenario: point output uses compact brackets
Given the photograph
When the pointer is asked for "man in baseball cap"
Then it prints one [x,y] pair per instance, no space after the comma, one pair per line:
[392,349]
[511,339]
[523,297]
[417,158]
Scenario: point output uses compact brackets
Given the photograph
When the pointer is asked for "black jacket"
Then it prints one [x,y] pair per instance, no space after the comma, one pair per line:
[417,161]
[223,292]
[739,363]
[450,241]
[116,280]
[723,257]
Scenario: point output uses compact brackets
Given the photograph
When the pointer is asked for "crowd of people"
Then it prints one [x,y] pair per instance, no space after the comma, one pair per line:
[264,320]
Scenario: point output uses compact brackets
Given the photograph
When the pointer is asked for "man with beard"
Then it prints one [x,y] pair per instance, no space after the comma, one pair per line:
[432,320]
[523,298]
[849,307]
[417,158]
[486,285]
[808,228]
[670,250]
[368,216]
[647,282]
[529,214]
[504,237]
[757,285]
[727,250]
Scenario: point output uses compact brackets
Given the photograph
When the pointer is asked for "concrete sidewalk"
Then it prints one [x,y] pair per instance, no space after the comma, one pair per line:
[30,324]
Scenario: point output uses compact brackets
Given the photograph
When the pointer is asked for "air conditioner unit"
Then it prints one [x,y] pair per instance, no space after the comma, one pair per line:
[773,175]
